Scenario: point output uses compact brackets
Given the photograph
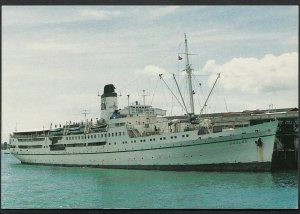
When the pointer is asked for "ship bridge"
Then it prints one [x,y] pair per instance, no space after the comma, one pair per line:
[142,109]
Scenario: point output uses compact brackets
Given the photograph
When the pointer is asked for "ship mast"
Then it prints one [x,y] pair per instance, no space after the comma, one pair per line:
[189,75]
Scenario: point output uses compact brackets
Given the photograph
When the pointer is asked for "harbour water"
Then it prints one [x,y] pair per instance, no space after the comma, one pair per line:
[51,187]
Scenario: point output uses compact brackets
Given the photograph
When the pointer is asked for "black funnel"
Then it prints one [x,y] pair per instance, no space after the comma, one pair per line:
[109,91]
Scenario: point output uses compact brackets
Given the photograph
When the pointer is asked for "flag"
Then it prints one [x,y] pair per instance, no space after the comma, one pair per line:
[179,57]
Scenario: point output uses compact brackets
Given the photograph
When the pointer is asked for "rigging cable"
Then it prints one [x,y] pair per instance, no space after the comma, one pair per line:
[180,93]
[196,93]
[154,92]
[210,93]
[160,76]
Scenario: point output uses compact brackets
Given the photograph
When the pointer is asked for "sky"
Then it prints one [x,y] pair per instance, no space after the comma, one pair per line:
[57,59]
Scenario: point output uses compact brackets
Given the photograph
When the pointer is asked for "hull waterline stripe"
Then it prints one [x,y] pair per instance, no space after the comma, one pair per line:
[248,167]
[137,150]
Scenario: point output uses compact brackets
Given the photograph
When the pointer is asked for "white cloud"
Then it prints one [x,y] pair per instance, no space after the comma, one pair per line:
[271,73]
[162,11]
[39,15]
[98,14]
[52,45]
[151,70]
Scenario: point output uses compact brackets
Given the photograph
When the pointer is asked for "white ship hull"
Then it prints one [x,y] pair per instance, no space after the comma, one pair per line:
[229,150]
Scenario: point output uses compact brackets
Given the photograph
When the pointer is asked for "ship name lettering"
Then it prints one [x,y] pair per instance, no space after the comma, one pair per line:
[238,142]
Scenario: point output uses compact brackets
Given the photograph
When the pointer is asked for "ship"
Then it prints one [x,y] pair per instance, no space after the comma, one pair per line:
[140,136]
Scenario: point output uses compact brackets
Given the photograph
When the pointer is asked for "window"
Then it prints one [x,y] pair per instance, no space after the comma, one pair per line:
[187,135]
[171,137]
[175,136]
[97,144]
[123,133]
[120,133]
[112,134]
[108,134]
[116,133]
[95,136]
[75,145]
[88,137]
[101,135]
[66,138]
[92,136]
[84,136]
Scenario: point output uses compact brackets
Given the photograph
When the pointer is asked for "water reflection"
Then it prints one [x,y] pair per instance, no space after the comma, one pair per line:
[285,179]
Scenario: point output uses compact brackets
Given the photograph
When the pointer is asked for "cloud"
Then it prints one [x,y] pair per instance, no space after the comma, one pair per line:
[151,70]
[269,74]
[162,11]
[98,14]
[41,15]
[56,46]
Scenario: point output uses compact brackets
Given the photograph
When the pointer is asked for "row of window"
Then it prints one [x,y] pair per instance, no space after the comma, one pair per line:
[82,137]
[30,139]
[91,136]
[86,144]
[153,139]
[28,146]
